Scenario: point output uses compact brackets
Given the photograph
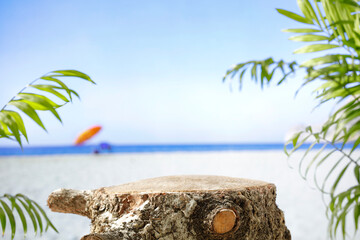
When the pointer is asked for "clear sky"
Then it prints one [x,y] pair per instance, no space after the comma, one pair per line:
[158,67]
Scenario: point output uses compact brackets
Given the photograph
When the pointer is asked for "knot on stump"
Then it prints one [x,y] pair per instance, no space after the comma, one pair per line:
[224,221]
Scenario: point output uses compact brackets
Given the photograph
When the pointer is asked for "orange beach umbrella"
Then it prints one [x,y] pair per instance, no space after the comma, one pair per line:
[87,134]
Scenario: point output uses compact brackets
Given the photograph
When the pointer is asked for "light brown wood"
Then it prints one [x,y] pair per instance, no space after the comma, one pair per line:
[187,183]
[91,238]
[108,236]
[224,221]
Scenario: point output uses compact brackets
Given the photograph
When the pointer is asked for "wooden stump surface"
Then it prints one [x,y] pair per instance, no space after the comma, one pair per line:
[188,183]
[178,207]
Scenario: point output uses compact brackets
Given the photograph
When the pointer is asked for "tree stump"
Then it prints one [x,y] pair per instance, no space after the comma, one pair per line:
[178,208]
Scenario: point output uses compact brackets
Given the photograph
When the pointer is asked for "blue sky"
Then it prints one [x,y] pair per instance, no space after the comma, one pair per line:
[158,67]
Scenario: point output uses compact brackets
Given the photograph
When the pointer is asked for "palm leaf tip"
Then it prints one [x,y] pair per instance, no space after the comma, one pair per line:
[72,73]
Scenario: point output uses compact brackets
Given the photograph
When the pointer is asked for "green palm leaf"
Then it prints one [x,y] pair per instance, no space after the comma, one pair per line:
[30,213]
[2,220]
[19,211]
[294,16]
[308,38]
[315,48]
[301,30]
[71,73]
[50,89]
[19,122]
[10,216]
[39,102]
[11,124]
[28,110]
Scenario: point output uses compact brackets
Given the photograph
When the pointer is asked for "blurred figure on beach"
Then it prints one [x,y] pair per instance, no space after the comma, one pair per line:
[103,147]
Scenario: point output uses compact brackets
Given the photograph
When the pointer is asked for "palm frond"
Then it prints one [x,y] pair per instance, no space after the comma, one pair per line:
[11,122]
[26,209]
[332,26]
[261,71]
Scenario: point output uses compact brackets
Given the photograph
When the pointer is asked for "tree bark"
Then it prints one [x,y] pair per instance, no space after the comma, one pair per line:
[178,208]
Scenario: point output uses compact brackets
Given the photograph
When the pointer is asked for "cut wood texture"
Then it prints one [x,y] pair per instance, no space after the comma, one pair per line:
[178,208]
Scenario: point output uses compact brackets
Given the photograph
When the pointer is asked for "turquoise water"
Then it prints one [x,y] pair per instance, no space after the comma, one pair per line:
[145,148]
[136,148]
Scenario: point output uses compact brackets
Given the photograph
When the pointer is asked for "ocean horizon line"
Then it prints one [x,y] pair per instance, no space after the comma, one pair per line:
[141,148]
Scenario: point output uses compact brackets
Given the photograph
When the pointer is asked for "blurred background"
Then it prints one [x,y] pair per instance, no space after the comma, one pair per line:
[158,66]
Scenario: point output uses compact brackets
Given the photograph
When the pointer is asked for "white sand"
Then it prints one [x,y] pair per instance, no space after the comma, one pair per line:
[38,176]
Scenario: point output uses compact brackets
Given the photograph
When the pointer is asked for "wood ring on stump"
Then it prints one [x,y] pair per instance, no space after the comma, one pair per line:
[90,237]
[109,236]
[224,221]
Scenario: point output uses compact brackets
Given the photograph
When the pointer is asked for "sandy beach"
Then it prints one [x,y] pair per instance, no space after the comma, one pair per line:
[38,176]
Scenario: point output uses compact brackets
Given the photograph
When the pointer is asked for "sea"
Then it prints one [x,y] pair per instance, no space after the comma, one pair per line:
[143,148]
